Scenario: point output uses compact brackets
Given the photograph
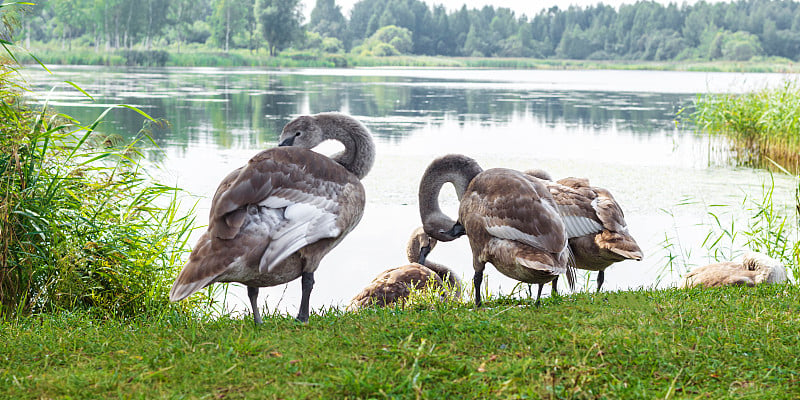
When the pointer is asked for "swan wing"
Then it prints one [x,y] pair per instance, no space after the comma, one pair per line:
[294,195]
[515,207]
[307,218]
[575,205]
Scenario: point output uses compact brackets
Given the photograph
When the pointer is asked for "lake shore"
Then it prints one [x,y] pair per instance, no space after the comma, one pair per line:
[202,57]
[734,341]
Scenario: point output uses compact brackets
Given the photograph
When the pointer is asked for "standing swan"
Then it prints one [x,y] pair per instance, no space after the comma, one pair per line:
[755,268]
[395,284]
[274,219]
[510,219]
[596,227]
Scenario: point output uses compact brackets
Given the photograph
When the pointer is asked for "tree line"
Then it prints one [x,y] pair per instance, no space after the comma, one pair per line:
[645,30]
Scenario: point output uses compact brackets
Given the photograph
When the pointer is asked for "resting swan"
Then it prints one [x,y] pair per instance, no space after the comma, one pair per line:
[753,269]
[596,227]
[395,284]
[509,217]
[274,219]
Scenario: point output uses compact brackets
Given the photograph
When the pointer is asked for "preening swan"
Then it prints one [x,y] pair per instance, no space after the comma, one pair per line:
[274,219]
[596,227]
[753,269]
[509,217]
[395,284]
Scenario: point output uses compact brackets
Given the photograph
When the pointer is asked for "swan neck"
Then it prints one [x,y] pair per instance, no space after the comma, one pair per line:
[459,171]
[359,149]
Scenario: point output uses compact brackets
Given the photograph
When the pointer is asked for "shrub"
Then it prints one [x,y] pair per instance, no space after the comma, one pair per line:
[82,224]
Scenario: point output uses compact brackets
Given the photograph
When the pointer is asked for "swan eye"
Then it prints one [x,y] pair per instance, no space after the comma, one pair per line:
[297,134]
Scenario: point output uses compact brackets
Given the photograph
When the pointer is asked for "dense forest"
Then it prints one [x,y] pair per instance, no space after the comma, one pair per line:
[741,30]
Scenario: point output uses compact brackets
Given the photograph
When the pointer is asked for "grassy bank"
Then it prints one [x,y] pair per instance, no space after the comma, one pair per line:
[718,343]
[203,56]
[763,124]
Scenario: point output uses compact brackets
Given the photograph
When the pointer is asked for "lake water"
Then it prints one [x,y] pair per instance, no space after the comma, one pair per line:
[616,128]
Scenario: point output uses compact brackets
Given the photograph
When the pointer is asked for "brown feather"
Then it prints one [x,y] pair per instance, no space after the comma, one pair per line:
[231,249]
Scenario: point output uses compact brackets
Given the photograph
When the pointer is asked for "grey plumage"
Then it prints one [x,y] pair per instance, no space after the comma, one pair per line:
[510,219]
[396,284]
[274,219]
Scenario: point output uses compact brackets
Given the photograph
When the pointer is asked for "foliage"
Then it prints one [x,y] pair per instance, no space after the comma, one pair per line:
[279,22]
[82,225]
[386,41]
[763,124]
[715,343]
[645,30]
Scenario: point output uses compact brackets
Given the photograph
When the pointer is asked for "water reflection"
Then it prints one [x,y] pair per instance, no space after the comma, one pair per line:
[248,110]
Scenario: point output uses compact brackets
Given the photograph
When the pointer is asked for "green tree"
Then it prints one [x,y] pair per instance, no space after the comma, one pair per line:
[279,23]
[328,21]
[387,41]
[227,20]
[69,17]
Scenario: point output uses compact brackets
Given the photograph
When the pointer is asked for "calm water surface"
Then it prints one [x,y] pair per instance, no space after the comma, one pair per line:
[616,128]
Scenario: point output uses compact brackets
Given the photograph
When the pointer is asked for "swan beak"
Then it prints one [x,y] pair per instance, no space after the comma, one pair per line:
[287,142]
[456,231]
[423,253]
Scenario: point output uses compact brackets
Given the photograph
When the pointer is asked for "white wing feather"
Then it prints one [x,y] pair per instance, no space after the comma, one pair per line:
[304,222]
[580,226]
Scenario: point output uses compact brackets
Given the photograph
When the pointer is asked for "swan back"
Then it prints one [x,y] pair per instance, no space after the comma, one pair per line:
[512,221]
[754,268]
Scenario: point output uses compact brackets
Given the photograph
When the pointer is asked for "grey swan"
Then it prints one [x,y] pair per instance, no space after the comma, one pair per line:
[395,284]
[596,227]
[274,219]
[510,219]
[753,269]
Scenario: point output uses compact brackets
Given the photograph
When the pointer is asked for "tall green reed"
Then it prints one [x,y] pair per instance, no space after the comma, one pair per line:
[82,223]
[762,125]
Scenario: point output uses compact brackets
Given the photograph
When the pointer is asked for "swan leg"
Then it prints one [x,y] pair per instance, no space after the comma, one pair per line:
[538,295]
[554,290]
[252,293]
[307,284]
[600,278]
[478,266]
[476,281]
[530,292]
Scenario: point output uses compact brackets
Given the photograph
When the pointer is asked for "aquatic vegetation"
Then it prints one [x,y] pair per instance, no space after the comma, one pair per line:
[772,228]
[762,125]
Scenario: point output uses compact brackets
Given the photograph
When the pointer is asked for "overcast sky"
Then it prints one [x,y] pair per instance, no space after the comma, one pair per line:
[527,7]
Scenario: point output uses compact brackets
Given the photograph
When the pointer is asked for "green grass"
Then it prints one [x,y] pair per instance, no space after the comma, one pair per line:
[714,343]
[764,124]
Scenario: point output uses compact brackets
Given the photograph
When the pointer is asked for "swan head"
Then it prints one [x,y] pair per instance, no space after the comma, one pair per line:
[442,228]
[303,131]
[770,270]
[419,246]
